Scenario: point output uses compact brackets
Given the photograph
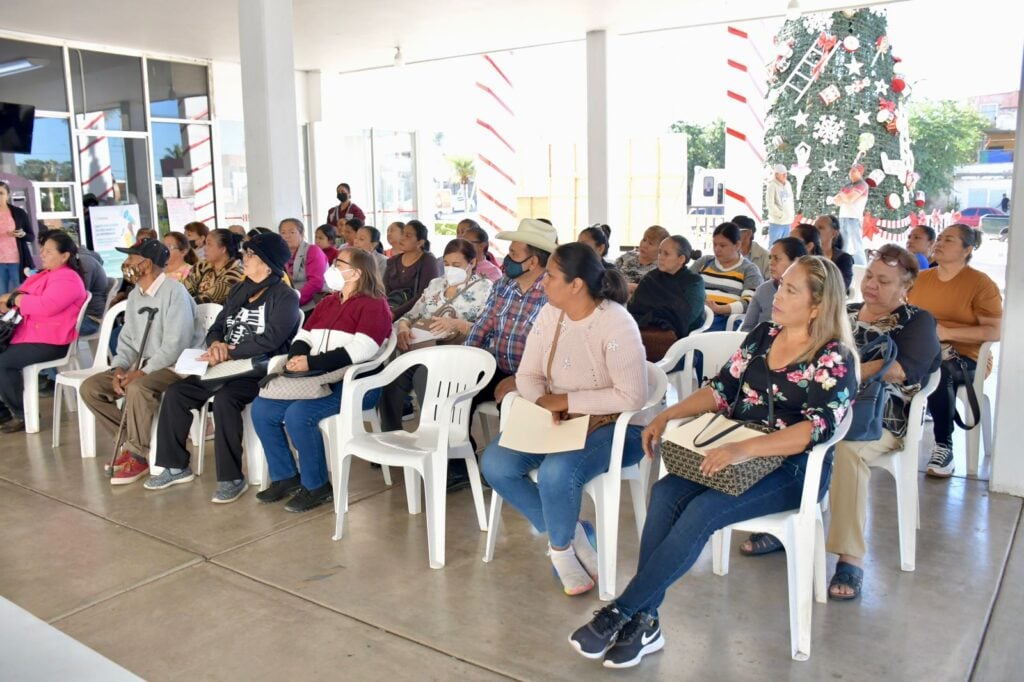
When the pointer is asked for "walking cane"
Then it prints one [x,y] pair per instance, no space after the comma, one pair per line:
[150,312]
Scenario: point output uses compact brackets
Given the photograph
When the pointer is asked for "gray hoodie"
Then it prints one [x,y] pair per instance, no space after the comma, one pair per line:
[96,282]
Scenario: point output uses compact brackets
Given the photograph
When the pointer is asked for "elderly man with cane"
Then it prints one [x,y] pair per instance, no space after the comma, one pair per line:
[159,324]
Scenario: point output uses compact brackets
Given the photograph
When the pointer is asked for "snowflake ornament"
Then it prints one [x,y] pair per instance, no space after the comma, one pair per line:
[818,22]
[829,129]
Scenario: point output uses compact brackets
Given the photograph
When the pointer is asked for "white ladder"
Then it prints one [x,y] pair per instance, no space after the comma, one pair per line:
[814,53]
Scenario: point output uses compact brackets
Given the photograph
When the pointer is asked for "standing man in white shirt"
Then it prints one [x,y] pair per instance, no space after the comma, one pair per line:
[779,200]
[851,200]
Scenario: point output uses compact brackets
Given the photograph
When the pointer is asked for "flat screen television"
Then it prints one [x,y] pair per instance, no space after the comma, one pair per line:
[16,122]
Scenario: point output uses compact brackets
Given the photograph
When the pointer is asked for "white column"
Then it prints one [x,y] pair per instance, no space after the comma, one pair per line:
[598,133]
[268,100]
[1008,465]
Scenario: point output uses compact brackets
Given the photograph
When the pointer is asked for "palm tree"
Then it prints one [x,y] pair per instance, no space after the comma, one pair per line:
[174,152]
[464,172]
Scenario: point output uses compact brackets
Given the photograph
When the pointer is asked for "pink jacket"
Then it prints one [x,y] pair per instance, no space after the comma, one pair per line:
[50,304]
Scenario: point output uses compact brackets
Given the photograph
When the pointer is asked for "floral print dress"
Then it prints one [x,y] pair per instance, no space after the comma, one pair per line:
[819,391]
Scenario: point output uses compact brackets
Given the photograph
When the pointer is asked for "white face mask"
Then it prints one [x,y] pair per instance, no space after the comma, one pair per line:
[335,279]
[454,276]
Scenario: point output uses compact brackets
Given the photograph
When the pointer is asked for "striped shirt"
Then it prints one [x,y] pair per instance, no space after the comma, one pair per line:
[506,321]
[733,286]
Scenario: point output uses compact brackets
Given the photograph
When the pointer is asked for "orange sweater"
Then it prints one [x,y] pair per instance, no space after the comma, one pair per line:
[959,302]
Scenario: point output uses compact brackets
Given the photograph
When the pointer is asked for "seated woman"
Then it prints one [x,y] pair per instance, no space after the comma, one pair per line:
[196,233]
[809,337]
[969,309]
[394,234]
[259,318]
[49,302]
[326,238]
[920,242]
[409,273]
[182,258]
[889,277]
[832,246]
[307,266]
[644,258]
[781,256]
[808,234]
[596,237]
[583,356]
[485,266]
[211,280]
[670,298]
[348,326]
[448,308]
[347,229]
[729,279]
[368,239]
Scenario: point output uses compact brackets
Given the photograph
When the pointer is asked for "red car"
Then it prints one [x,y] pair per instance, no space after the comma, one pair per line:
[972,216]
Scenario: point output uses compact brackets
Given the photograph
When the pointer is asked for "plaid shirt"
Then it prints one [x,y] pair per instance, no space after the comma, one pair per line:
[506,321]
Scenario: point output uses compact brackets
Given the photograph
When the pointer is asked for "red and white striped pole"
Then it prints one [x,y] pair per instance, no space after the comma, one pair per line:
[746,85]
[496,142]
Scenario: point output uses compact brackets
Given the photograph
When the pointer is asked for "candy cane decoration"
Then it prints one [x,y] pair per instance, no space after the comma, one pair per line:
[744,124]
[496,144]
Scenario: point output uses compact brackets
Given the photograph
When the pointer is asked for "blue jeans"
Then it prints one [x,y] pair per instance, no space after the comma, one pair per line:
[302,419]
[853,239]
[777,231]
[682,516]
[9,277]
[552,504]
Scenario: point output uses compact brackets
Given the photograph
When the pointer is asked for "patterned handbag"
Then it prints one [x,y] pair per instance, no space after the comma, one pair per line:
[734,479]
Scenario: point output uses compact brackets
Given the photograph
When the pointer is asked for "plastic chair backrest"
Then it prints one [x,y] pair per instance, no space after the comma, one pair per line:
[709,317]
[451,370]
[918,405]
[716,347]
[657,384]
[854,294]
[102,359]
[206,315]
[115,284]
[815,461]
[81,316]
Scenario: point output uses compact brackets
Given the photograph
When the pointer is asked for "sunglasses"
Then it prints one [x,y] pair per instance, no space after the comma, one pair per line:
[892,261]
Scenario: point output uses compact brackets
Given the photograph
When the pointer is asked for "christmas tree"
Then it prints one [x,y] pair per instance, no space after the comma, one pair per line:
[836,98]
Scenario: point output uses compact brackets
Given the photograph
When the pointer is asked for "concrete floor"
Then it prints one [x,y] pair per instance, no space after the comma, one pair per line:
[173,587]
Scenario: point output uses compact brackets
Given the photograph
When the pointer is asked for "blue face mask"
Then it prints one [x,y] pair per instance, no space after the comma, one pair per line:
[513,268]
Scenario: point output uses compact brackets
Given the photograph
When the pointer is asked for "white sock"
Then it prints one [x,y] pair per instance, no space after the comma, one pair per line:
[585,551]
[575,579]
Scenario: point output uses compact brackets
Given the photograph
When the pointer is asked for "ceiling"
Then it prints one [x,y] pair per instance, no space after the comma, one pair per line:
[345,36]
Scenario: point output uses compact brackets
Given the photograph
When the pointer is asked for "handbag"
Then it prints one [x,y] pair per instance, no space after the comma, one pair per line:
[954,367]
[400,297]
[8,325]
[596,420]
[249,368]
[308,385]
[873,395]
[734,479]
[445,310]
[656,342]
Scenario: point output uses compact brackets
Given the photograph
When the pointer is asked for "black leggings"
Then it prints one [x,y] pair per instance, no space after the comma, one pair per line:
[942,408]
[12,361]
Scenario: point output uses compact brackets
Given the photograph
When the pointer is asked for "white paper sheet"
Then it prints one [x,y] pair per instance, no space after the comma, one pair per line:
[531,429]
[685,434]
[420,335]
[188,363]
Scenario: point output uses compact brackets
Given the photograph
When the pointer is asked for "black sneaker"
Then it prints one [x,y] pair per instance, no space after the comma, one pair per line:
[941,463]
[641,636]
[278,490]
[305,500]
[596,637]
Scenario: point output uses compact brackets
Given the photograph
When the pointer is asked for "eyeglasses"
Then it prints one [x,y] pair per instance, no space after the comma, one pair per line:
[893,261]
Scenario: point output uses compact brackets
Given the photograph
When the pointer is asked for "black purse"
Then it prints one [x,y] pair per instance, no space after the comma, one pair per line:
[8,325]
[873,396]
[955,367]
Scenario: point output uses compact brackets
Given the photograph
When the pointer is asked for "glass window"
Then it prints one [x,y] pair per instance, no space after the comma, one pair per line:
[32,74]
[178,90]
[107,90]
[395,176]
[183,173]
[115,170]
[233,191]
[50,159]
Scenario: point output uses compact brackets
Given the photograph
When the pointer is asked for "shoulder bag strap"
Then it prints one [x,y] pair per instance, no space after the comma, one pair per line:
[554,345]
[958,376]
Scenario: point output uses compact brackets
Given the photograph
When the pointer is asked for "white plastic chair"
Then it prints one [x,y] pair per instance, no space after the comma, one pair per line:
[114,285]
[30,375]
[709,318]
[454,375]
[72,380]
[605,490]
[982,430]
[734,322]
[485,413]
[854,295]
[902,465]
[716,347]
[803,537]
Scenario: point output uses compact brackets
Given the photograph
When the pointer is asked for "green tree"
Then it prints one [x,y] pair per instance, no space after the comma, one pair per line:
[174,152]
[705,146]
[464,172]
[945,134]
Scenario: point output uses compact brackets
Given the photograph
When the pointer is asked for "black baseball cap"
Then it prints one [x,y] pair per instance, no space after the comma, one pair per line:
[150,249]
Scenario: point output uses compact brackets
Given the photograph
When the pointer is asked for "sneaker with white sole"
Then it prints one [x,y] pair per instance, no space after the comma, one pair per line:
[941,463]
[641,636]
[596,637]
[133,469]
[229,491]
[165,479]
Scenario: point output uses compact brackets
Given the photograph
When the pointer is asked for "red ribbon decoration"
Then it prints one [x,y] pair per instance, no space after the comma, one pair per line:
[827,43]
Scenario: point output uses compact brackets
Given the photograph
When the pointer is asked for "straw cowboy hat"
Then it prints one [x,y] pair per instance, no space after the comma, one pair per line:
[535,233]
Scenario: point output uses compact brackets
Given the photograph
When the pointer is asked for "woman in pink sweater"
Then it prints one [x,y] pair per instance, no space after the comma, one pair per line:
[583,356]
[49,302]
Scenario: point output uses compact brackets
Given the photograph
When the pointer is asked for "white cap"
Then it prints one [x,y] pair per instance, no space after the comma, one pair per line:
[779,168]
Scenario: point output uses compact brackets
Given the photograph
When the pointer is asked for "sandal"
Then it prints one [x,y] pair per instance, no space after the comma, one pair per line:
[846,575]
[761,543]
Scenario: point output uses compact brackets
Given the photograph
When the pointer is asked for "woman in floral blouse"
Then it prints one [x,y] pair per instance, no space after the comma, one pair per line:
[806,356]
[447,308]
[211,279]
